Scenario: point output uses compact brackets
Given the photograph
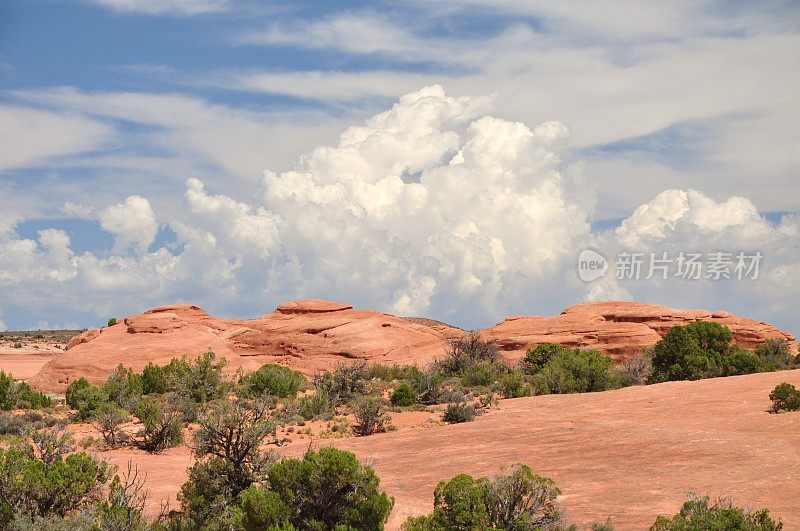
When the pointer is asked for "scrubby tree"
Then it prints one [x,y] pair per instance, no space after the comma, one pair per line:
[162,423]
[775,354]
[108,422]
[86,398]
[124,387]
[32,487]
[536,358]
[466,352]
[701,349]
[518,501]
[20,395]
[785,397]
[272,379]
[370,415]
[330,489]
[699,513]
[576,371]
[403,396]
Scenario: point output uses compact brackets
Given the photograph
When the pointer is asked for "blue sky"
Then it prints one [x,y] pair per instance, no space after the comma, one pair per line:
[104,100]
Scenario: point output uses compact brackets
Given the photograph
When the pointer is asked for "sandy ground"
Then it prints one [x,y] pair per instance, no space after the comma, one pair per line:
[629,454]
[22,354]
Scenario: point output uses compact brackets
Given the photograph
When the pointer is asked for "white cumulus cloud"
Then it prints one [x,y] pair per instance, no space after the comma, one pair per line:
[133,223]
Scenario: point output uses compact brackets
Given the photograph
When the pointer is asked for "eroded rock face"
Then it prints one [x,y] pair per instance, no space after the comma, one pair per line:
[312,335]
[619,328]
[308,335]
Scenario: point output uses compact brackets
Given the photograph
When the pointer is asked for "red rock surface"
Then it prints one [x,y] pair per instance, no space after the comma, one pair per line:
[628,454]
[620,329]
[310,335]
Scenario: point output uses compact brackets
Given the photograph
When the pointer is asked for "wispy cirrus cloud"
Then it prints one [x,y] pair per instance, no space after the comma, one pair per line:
[160,7]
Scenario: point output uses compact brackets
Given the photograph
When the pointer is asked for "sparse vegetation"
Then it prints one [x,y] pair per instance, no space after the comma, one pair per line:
[565,370]
[699,513]
[785,397]
[20,395]
[403,396]
[701,349]
[370,415]
[112,321]
[273,380]
[519,500]
[457,413]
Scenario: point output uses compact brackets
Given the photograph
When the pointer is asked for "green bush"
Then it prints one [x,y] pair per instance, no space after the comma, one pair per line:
[32,487]
[86,398]
[513,385]
[775,354]
[576,371]
[466,352]
[392,373]
[161,422]
[519,500]
[20,395]
[112,321]
[345,382]
[330,489]
[483,374]
[317,405]
[262,509]
[536,358]
[275,380]
[403,396]
[785,397]
[697,513]
[124,387]
[702,349]
[459,412]
[370,415]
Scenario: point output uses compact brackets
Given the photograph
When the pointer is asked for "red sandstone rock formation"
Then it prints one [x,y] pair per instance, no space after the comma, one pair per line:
[307,335]
[620,329]
[310,335]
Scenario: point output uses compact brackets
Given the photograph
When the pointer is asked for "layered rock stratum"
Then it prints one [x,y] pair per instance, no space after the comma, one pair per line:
[312,335]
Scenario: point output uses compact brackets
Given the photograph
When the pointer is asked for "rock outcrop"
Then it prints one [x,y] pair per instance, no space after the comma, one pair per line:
[307,335]
[312,335]
[618,328]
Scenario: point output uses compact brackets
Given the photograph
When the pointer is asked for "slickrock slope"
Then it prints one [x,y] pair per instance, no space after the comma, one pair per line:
[314,334]
[618,328]
[307,335]
[630,454]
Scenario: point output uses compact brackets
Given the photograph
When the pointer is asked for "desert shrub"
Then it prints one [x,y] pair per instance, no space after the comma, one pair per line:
[785,397]
[112,321]
[637,370]
[203,382]
[520,500]
[576,371]
[11,424]
[24,394]
[330,489]
[775,354]
[459,412]
[536,358]
[162,423]
[51,444]
[275,380]
[740,361]
[428,385]
[124,387]
[370,415]
[33,488]
[262,509]
[108,421]
[235,431]
[171,377]
[699,513]
[20,395]
[344,383]
[227,446]
[483,374]
[701,349]
[513,385]
[465,352]
[403,396]
[317,405]
[392,373]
